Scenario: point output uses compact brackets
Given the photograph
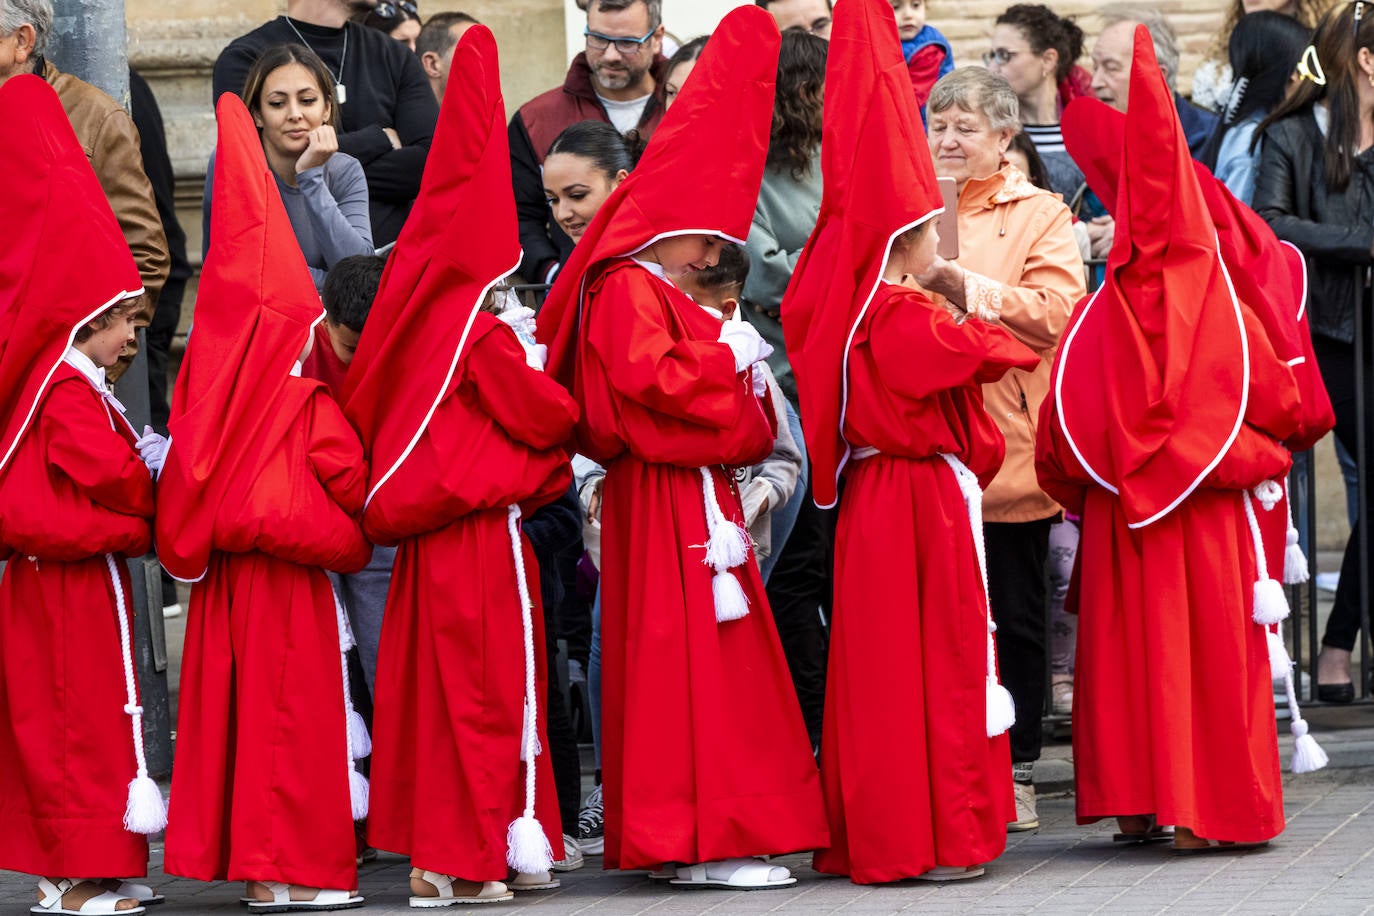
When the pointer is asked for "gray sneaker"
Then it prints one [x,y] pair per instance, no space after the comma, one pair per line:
[590,825]
[1026,818]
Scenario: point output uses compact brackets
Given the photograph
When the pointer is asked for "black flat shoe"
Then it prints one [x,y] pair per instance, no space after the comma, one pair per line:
[1336,693]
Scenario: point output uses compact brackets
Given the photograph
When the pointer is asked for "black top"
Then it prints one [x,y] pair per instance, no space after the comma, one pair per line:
[386,87]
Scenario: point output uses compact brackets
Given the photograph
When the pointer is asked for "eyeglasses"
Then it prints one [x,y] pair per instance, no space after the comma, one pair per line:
[386,10]
[1001,55]
[627,46]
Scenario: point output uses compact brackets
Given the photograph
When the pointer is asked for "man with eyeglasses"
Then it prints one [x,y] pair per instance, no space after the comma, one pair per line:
[617,79]
[387,108]
[808,15]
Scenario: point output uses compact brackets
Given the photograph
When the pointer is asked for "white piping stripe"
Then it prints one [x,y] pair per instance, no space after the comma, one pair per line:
[1059,394]
[28,418]
[849,343]
[1297,361]
[1302,301]
[448,377]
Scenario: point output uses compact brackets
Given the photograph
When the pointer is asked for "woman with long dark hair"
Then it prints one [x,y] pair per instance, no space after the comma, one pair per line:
[1214,77]
[1315,187]
[1264,51]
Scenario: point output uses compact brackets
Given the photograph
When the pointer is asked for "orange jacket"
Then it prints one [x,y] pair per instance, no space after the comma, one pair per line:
[1024,272]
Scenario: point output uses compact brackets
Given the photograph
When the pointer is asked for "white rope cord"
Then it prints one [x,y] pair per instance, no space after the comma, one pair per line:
[1001,710]
[727,546]
[145,811]
[1295,571]
[528,850]
[358,788]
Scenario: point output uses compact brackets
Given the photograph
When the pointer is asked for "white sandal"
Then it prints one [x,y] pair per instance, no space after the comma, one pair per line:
[491,892]
[951,873]
[739,874]
[536,881]
[324,899]
[103,904]
[140,892]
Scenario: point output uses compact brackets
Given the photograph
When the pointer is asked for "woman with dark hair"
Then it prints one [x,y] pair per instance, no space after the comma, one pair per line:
[1213,78]
[290,94]
[1035,50]
[400,21]
[1264,50]
[585,163]
[789,203]
[1315,187]
[680,66]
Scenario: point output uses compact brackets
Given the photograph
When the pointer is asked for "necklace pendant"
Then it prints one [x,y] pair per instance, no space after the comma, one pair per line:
[340,93]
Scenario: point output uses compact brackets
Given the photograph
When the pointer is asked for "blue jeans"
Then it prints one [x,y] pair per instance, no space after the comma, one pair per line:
[594,676]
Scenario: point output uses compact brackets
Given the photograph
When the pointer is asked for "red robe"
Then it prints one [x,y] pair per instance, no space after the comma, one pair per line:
[704,754]
[446,774]
[74,491]
[1173,708]
[261,775]
[911,778]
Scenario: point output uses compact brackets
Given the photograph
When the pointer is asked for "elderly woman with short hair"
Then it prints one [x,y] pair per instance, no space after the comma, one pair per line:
[1019,267]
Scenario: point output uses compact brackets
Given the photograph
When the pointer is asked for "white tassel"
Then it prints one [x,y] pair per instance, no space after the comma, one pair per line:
[1308,755]
[1294,560]
[1270,604]
[525,738]
[1280,665]
[1001,710]
[358,738]
[727,546]
[355,730]
[1269,493]
[358,794]
[527,848]
[731,603]
[145,812]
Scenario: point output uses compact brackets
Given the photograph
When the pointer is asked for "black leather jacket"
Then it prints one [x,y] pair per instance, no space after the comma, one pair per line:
[1334,231]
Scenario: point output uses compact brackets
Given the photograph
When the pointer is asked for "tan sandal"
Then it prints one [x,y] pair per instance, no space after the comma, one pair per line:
[490,892]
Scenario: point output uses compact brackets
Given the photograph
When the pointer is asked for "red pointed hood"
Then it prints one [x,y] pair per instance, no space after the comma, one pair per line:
[1269,276]
[461,238]
[52,202]
[1151,382]
[255,309]
[699,175]
[879,182]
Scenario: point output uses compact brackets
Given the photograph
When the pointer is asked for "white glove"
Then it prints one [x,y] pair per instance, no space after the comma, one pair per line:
[757,499]
[152,448]
[760,380]
[521,320]
[745,343]
[536,356]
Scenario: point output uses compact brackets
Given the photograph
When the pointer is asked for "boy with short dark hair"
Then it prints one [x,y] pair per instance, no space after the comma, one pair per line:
[348,292]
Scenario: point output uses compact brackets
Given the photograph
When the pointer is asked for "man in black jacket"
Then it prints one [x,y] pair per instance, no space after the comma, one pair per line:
[385,102]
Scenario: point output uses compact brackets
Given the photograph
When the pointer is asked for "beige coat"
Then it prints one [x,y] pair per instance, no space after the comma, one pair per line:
[1024,272]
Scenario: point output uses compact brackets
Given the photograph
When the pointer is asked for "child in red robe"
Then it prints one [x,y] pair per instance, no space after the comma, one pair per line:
[259,496]
[464,439]
[913,757]
[76,499]
[705,760]
[1171,403]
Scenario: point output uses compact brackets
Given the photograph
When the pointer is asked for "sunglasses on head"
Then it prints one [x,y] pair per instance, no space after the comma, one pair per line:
[388,10]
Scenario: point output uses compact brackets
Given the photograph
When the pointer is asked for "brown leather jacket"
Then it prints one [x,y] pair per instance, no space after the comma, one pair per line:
[107,134]
[1024,272]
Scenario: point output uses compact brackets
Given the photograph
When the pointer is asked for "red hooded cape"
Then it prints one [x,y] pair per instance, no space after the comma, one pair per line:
[699,175]
[879,182]
[1269,276]
[43,301]
[255,311]
[440,271]
[1152,380]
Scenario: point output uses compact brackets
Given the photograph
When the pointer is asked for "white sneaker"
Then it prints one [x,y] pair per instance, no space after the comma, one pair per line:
[572,856]
[1026,818]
